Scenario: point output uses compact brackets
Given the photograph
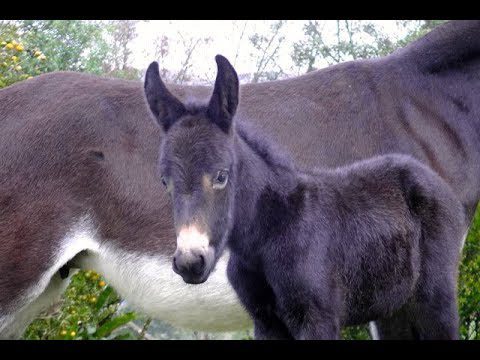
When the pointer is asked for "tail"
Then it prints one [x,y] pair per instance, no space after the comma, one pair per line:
[450,45]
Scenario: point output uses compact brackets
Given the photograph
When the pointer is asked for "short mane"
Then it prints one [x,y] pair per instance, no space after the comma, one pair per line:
[273,155]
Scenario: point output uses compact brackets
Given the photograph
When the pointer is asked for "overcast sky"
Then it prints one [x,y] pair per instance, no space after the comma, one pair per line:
[225,39]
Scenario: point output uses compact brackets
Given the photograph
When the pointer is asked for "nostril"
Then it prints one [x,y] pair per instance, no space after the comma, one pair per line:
[199,265]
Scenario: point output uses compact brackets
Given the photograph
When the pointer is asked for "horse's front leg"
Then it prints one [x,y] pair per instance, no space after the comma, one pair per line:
[307,316]
[258,299]
[308,305]
[317,325]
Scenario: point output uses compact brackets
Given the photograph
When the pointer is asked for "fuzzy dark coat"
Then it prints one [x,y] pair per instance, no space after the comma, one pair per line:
[379,239]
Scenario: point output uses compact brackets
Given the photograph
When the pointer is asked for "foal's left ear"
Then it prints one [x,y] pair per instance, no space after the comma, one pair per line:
[224,100]
[166,107]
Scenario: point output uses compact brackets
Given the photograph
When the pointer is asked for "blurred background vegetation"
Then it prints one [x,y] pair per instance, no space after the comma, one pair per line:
[90,308]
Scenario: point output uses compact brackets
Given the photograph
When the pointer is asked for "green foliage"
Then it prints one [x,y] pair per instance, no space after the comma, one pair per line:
[356,333]
[422,28]
[353,39]
[469,284]
[74,45]
[18,62]
[88,310]
[266,53]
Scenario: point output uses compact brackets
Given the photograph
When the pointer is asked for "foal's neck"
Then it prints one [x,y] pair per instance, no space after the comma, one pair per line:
[261,165]
[265,181]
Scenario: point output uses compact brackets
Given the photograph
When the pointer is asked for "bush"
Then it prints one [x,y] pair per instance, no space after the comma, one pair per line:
[88,310]
[469,284]
[19,63]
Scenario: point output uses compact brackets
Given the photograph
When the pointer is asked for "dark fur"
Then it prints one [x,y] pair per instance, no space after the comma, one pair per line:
[73,141]
[312,252]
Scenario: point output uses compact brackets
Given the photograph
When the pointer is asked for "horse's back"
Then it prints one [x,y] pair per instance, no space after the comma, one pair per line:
[408,102]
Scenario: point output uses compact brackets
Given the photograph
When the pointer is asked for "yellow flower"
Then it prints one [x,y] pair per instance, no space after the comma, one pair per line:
[101,283]
[37,53]
[93,299]
[19,47]
[42,57]
[63,332]
[18,68]
[14,58]
[14,43]
[9,46]
[73,333]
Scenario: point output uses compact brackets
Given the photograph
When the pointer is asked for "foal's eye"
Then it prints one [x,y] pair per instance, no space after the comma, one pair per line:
[164,182]
[220,180]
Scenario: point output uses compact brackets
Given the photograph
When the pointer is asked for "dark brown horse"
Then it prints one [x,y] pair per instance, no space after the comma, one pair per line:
[78,173]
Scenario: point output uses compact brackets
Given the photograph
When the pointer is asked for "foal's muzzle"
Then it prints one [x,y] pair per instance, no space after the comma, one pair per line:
[194,258]
[191,266]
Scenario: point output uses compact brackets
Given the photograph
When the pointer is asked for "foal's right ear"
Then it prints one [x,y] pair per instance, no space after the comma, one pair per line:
[224,101]
[166,107]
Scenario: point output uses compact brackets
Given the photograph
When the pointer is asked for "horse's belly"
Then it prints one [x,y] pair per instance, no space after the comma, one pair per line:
[150,285]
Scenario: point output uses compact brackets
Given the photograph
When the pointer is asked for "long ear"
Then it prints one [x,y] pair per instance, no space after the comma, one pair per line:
[224,100]
[166,107]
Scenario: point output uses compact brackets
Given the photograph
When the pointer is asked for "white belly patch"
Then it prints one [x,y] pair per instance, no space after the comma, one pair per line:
[149,284]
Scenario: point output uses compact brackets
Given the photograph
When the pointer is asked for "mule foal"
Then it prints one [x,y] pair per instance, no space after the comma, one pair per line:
[378,240]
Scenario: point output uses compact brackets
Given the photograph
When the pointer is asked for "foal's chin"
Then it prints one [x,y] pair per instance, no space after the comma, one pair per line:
[193,278]
[195,281]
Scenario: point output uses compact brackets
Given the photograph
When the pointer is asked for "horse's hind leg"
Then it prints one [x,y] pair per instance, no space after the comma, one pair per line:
[399,326]
[431,314]
[435,311]
[22,318]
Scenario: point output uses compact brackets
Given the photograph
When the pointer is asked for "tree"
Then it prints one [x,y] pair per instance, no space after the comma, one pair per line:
[417,29]
[70,45]
[351,40]
[121,34]
[183,54]
[266,48]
